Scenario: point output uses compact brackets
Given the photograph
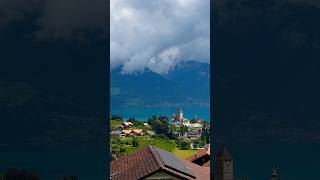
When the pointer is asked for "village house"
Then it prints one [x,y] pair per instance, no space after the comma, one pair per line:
[120,127]
[127,125]
[195,126]
[153,163]
[193,134]
[202,158]
[151,133]
[127,132]
[137,132]
[130,132]
[116,133]
[146,125]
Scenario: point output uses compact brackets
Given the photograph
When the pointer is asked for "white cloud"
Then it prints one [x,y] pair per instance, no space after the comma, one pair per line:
[158,34]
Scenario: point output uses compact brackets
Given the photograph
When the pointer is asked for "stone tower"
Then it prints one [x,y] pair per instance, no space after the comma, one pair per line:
[274,175]
[180,114]
[223,165]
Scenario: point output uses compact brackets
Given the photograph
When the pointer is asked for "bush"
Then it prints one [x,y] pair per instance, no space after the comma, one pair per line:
[135,142]
[185,143]
[116,117]
[163,136]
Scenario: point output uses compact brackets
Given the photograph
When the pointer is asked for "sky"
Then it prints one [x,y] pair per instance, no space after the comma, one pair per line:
[157,35]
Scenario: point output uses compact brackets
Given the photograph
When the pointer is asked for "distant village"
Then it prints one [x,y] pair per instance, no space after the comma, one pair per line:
[180,127]
[153,149]
[160,148]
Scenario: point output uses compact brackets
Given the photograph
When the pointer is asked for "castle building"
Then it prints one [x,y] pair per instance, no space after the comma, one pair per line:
[274,175]
[180,114]
[178,117]
[223,165]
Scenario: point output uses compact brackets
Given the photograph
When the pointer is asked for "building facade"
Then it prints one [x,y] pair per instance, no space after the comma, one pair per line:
[223,166]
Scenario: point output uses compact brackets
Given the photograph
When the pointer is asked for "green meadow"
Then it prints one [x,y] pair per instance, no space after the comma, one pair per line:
[161,143]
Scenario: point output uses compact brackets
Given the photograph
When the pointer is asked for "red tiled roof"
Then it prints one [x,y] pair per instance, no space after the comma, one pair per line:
[207,164]
[127,131]
[201,172]
[199,154]
[137,131]
[134,166]
[148,160]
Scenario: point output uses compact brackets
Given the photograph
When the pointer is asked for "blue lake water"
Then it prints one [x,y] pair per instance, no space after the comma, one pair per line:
[144,113]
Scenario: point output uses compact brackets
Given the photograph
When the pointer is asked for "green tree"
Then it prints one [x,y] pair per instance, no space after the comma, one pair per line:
[193,120]
[116,117]
[183,130]
[135,142]
[134,121]
[185,143]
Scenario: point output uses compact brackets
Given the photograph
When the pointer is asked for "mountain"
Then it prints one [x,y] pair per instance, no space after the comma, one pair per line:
[187,84]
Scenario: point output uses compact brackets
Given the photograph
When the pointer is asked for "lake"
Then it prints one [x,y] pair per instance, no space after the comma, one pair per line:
[144,113]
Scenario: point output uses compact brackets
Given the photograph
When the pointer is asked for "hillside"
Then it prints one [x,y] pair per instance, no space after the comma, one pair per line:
[187,84]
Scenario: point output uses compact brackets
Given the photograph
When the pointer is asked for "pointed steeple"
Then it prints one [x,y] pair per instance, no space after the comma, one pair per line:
[224,154]
[274,171]
[223,165]
[274,175]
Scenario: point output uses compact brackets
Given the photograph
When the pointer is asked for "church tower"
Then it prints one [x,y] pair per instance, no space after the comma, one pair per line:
[223,165]
[274,175]
[180,114]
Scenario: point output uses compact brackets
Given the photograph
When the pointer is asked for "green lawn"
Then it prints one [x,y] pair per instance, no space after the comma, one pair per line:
[161,143]
[184,153]
[115,123]
[167,145]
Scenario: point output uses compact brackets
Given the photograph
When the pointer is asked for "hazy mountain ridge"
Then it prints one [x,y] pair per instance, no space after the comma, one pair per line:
[187,84]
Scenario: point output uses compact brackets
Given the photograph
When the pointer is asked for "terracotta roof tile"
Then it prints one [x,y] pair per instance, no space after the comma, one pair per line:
[149,159]
[134,166]
[207,164]
[199,154]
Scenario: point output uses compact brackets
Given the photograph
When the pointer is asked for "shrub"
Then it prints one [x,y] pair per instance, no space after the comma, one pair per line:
[185,143]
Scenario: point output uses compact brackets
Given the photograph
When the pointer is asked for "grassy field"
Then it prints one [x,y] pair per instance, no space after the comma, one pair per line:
[161,143]
[115,123]
[184,153]
[165,144]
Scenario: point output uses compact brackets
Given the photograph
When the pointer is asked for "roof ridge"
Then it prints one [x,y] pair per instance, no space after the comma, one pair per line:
[156,156]
[162,165]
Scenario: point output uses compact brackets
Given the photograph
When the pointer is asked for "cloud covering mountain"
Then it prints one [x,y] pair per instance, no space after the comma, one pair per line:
[158,35]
